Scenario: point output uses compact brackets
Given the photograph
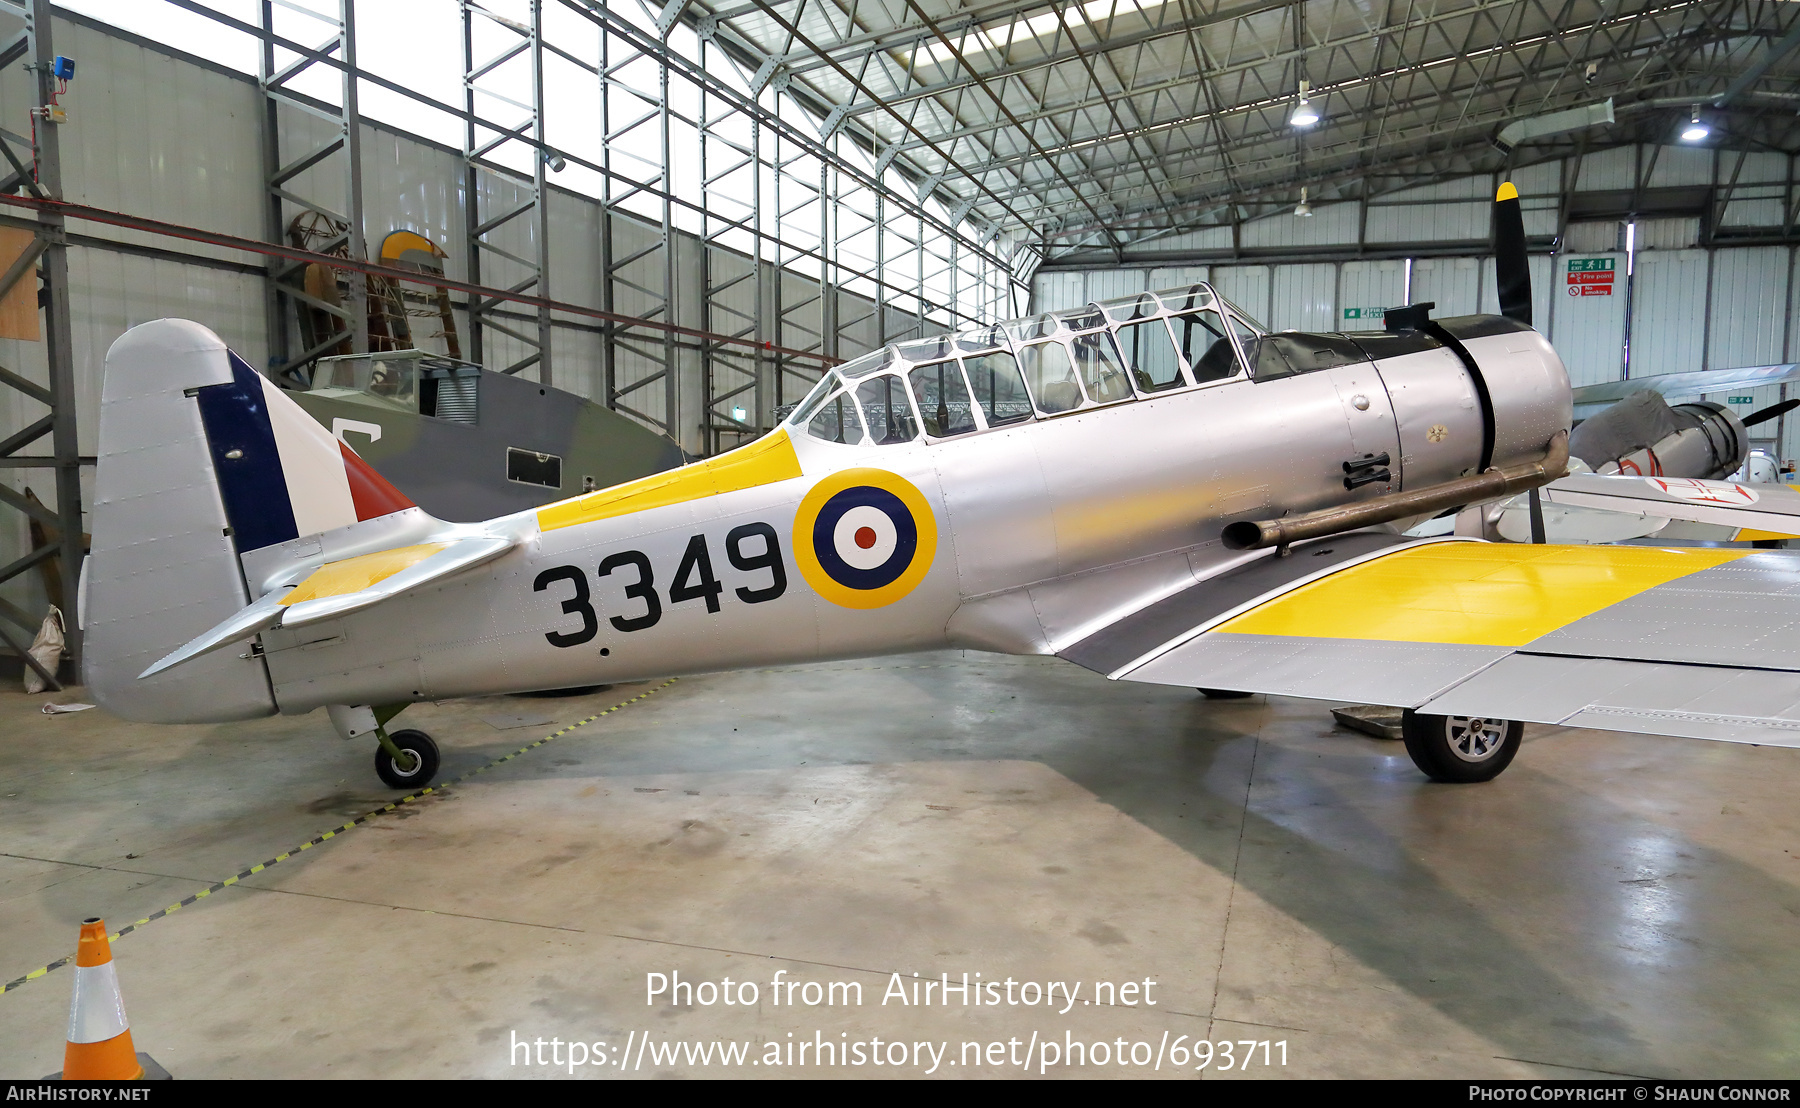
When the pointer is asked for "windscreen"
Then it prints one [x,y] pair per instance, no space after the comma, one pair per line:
[1051,377]
[889,413]
[814,398]
[836,420]
[944,405]
[999,388]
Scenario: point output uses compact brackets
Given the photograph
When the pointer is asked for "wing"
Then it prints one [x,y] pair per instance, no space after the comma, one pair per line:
[1590,399]
[1703,643]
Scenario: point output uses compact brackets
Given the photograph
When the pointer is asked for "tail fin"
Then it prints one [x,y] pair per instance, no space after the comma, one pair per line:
[282,474]
[208,477]
[284,479]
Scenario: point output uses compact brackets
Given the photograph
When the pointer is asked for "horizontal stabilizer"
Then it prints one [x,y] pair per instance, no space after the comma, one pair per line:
[260,616]
[340,588]
[1771,508]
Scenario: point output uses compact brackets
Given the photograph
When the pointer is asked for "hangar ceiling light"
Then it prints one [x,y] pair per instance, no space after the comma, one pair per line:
[1305,115]
[1695,130]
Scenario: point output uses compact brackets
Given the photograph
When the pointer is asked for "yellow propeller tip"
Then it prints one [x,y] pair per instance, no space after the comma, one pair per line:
[1507,192]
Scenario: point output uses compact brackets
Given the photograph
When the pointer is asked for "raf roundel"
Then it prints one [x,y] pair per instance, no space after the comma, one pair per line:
[864,538]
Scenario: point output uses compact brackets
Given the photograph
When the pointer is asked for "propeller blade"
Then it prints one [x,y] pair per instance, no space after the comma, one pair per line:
[1770,412]
[1511,269]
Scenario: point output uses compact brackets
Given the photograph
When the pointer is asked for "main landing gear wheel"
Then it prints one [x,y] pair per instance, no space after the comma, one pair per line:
[1224,694]
[1461,749]
[420,762]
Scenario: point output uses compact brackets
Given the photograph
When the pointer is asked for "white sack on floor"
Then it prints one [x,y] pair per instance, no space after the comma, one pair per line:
[47,648]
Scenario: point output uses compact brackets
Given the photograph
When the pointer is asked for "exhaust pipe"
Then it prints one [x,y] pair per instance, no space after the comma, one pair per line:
[1492,485]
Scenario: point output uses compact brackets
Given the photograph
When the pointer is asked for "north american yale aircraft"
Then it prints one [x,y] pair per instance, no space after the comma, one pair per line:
[1154,488]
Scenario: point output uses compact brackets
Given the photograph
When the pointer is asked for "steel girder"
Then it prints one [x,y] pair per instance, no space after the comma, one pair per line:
[290,186]
[1050,110]
[733,281]
[488,186]
[45,264]
[637,256]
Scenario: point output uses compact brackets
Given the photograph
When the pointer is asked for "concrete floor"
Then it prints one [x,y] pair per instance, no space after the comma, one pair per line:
[1612,904]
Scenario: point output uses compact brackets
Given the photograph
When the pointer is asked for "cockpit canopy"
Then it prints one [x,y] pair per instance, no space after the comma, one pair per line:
[1044,366]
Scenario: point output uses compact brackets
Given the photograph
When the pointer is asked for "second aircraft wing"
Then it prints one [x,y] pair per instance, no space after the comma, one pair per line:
[1763,510]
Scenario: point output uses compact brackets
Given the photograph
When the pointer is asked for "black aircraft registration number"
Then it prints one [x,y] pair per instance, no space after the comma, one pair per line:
[694,580]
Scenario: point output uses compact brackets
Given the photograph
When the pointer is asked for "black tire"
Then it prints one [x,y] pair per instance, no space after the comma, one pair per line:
[1224,694]
[421,746]
[1461,749]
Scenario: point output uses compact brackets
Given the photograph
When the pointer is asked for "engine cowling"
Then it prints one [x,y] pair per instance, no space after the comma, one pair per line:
[1526,385]
[1520,407]
[1643,435]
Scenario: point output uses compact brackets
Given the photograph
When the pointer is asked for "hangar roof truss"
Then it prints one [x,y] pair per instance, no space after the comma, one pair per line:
[1099,124]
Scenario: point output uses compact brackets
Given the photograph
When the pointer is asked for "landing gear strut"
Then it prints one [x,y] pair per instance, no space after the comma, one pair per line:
[405,759]
[1461,749]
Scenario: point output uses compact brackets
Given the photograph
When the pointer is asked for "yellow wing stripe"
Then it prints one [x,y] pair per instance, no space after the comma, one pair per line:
[763,462]
[356,574]
[1751,534]
[1488,594]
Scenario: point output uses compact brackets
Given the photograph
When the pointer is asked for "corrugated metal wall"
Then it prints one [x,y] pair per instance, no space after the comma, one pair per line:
[1329,224]
[1304,298]
[189,155]
[1451,211]
[1588,331]
[1453,284]
[1367,289]
[1749,303]
[1247,286]
[1668,312]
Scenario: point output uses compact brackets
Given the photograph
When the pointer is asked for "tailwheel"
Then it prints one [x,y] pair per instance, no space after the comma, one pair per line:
[1461,749]
[406,759]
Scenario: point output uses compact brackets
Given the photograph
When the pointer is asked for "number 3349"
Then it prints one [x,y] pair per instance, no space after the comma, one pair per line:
[694,580]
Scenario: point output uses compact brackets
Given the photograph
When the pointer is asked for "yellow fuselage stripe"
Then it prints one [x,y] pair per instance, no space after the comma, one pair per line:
[1490,594]
[355,574]
[762,462]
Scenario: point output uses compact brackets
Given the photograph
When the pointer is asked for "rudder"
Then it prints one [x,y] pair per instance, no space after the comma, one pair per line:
[163,567]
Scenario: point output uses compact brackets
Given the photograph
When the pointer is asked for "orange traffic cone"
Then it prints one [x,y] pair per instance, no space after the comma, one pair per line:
[99,1038]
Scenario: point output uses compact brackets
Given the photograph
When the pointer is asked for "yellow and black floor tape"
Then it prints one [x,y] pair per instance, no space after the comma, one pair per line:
[334,833]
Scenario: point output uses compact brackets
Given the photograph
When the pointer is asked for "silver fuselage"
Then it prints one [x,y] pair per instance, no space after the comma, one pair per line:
[1044,530]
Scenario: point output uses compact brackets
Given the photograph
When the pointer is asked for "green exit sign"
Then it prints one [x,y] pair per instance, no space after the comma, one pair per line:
[1742,399]
[1590,265]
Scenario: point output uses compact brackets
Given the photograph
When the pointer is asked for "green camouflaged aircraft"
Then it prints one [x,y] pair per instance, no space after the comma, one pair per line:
[469,444]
